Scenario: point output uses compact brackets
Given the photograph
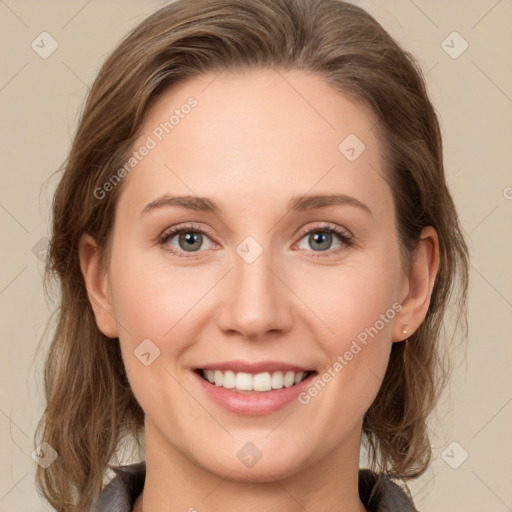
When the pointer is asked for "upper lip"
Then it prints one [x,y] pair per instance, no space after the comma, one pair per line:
[254,367]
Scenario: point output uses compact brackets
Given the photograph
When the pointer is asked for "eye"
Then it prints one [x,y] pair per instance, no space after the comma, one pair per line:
[183,239]
[321,238]
[180,240]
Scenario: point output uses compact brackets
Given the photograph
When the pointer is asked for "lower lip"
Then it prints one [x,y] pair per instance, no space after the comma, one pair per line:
[253,404]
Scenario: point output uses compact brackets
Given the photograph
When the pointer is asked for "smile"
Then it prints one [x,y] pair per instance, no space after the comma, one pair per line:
[253,389]
[259,382]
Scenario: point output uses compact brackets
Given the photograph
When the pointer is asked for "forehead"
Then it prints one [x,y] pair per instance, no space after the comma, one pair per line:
[244,136]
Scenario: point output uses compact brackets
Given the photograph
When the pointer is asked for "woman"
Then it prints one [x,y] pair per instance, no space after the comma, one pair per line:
[221,142]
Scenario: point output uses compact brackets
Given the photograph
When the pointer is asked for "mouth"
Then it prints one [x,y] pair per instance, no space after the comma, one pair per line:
[263,382]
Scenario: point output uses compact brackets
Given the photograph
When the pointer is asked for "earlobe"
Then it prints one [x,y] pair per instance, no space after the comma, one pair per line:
[421,280]
[97,285]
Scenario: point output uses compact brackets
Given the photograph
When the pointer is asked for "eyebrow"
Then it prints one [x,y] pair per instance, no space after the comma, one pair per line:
[298,203]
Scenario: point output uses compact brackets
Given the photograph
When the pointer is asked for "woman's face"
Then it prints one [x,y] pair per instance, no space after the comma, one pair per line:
[272,284]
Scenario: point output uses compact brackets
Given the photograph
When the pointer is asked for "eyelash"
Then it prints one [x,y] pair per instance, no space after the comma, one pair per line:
[346,239]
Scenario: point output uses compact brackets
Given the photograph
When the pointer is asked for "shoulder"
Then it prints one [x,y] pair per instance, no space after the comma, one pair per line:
[380,494]
[120,494]
[377,491]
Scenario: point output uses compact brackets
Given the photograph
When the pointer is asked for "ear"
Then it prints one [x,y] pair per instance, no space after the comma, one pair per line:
[418,285]
[97,285]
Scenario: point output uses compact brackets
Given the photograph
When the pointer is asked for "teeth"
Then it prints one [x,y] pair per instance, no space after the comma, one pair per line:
[229,379]
[262,382]
[243,381]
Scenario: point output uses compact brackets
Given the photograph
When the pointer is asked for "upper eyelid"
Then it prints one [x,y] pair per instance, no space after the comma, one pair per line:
[327,227]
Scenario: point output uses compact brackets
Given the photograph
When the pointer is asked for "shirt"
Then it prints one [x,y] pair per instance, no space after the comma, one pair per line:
[120,494]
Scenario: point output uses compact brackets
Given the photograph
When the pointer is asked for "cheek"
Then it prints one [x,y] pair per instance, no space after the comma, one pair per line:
[349,300]
[151,298]
[362,322]
[358,305]
[164,304]
[154,305]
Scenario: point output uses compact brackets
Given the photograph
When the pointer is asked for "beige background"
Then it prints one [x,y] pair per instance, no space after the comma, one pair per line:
[40,99]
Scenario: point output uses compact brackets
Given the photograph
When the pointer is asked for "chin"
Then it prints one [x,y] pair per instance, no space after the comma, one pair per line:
[272,465]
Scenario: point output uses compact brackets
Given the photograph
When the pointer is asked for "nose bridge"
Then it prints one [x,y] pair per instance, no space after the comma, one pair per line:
[256,301]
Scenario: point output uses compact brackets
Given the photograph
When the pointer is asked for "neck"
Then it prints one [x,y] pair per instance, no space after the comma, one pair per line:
[173,482]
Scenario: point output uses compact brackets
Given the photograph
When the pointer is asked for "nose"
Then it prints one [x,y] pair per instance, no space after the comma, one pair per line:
[256,303]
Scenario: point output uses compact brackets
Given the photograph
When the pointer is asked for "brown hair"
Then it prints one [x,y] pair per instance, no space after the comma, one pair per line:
[90,407]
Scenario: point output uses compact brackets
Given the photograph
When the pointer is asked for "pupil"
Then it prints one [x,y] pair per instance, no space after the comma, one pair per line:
[191,239]
[324,239]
